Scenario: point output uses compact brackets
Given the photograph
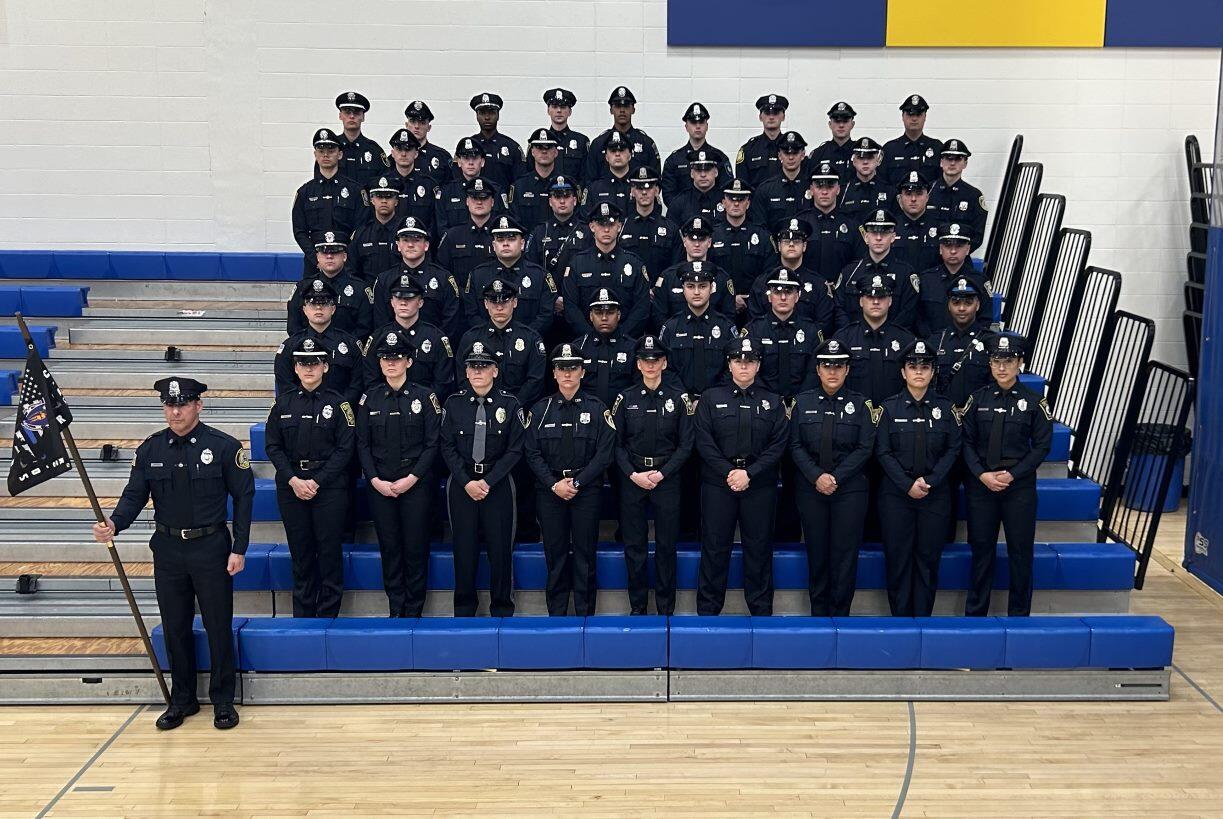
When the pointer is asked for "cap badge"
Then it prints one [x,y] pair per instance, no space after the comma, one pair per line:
[318,285]
[174,389]
[913,100]
[772,99]
[308,345]
[392,339]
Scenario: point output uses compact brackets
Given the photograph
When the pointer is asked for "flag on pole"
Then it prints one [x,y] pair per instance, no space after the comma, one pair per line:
[39,453]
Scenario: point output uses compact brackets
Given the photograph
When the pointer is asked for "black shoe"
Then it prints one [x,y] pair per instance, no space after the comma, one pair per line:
[174,716]
[224,717]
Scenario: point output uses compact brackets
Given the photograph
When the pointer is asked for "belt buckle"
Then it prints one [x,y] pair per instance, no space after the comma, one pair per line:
[182,533]
[302,464]
[648,462]
[477,469]
[740,463]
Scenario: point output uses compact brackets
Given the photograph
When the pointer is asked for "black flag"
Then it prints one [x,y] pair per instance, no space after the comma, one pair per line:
[38,443]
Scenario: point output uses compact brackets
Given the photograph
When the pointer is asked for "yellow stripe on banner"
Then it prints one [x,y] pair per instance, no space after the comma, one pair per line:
[996,23]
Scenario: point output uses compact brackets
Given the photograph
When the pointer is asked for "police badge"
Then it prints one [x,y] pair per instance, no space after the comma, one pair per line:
[420,191]
[895,345]
[1022,403]
[849,408]
[669,406]
[426,346]
[206,457]
[348,290]
[416,406]
[800,336]
[500,415]
[584,418]
[342,347]
[716,332]
[328,411]
[526,282]
[433,283]
[936,413]
[764,402]
[343,193]
[519,344]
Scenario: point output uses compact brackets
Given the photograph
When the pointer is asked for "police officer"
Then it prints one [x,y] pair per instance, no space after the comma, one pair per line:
[418,189]
[787,340]
[675,170]
[838,151]
[740,245]
[832,433]
[880,232]
[954,199]
[1008,429]
[741,437]
[534,287]
[963,362]
[363,158]
[310,441]
[515,347]
[191,470]
[785,194]
[698,338]
[503,157]
[875,343]
[569,444]
[344,374]
[607,353]
[434,160]
[354,312]
[816,303]
[622,104]
[432,358]
[704,196]
[452,205]
[481,443]
[918,445]
[546,240]
[913,150]
[917,227]
[866,189]
[467,245]
[606,264]
[835,239]
[571,145]
[529,196]
[612,185]
[441,291]
[654,437]
[329,201]
[667,294]
[397,437]
[954,241]
[646,232]
[757,158]
[372,246]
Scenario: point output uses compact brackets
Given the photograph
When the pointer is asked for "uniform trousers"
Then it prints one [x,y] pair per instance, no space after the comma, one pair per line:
[832,529]
[635,502]
[752,510]
[914,533]
[489,522]
[314,529]
[1015,509]
[402,525]
[570,531]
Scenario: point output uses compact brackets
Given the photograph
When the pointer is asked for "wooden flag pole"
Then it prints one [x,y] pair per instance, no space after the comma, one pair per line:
[70,442]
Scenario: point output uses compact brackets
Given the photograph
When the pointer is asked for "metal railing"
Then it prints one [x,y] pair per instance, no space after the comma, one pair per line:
[1002,210]
[1092,304]
[1052,321]
[1023,298]
[1003,267]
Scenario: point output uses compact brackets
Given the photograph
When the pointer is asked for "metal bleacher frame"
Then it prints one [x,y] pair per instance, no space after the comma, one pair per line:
[1002,268]
[1004,202]
[1022,299]
[1094,301]
[1050,324]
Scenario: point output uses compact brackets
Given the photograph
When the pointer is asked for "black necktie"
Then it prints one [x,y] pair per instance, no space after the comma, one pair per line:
[394,433]
[567,421]
[919,443]
[698,353]
[305,430]
[743,442]
[993,457]
[649,437]
[783,359]
[603,381]
[479,443]
[180,481]
[826,453]
[876,375]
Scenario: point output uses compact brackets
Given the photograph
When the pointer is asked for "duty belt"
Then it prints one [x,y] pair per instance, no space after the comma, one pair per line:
[189,534]
[650,463]
[311,464]
[482,468]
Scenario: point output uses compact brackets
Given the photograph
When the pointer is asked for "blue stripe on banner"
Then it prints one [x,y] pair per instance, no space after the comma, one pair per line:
[1165,24]
[787,23]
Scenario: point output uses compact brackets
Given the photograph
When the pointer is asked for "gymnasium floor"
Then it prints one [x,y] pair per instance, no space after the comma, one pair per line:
[785,759]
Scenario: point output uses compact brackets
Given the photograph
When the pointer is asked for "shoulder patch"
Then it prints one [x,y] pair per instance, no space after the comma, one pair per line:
[608,418]
[1044,406]
[437,407]
[346,408]
[616,404]
[689,404]
[242,458]
[550,282]
[960,412]
[369,294]
[739,157]
[789,407]
[524,418]
[446,344]
[361,403]
[454,285]
[876,412]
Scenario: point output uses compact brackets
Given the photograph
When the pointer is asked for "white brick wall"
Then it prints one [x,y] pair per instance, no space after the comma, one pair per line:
[184,124]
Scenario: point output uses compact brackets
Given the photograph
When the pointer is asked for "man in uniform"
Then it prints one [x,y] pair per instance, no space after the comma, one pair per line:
[918,227]
[875,343]
[646,232]
[517,350]
[654,437]
[612,184]
[816,304]
[954,199]
[757,158]
[698,337]
[467,245]
[786,193]
[570,144]
[353,313]
[606,264]
[569,444]
[363,159]
[481,443]
[397,443]
[544,245]
[936,281]
[191,470]
[835,238]
[432,359]
[534,287]
[607,353]
[417,188]
[866,189]
[622,105]
[740,245]
[880,231]
[675,175]
[741,436]
[344,374]
[310,442]
[330,201]
[502,156]
[963,363]
[441,307]
[372,247]
[913,150]
[704,196]
[787,340]
[434,159]
[1008,430]
[667,292]
[529,196]
[452,207]
[838,151]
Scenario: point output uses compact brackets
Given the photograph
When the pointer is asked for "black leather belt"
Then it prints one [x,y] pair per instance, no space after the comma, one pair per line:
[189,534]
[649,463]
[482,468]
[739,463]
[569,473]
[311,464]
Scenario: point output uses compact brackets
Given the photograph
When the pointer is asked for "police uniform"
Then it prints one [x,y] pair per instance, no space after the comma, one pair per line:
[644,150]
[832,434]
[837,155]
[757,158]
[451,203]
[917,237]
[667,294]
[787,346]
[960,202]
[902,154]
[916,438]
[859,196]
[533,286]
[436,284]
[608,187]
[815,304]
[692,201]
[517,349]
[418,188]
[434,160]
[397,438]
[834,238]
[1009,430]
[937,281]
[344,373]
[874,353]
[738,428]
[546,240]
[481,441]
[310,437]
[190,479]
[529,194]
[432,358]
[321,204]
[742,250]
[466,246]
[654,433]
[569,439]
[697,345]
[653,237]
[779,198]
[963,362]
[902,281]
[502,155]
[606,357]
[571,146]
[372,246]
[675,170]
[592,269]
[363,160]
[354,312]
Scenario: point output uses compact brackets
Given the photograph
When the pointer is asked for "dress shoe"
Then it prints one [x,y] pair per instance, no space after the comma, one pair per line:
[175,714]
[224,717]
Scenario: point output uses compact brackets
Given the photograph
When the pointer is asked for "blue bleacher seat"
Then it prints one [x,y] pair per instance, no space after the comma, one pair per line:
[52,300]
[955,566]
[1046,642]
[711,642]
[530,568]
[289,267]
[625,642]
[1044,567]
[283,644]
[1129,641]
[526,643]
[1059,450]
[256,575]
[258,438]
[363,571]
[877,642]
[26,264]
[81,264]
[1067,499]
[138,265]
[793,642]
[265,507]
[255,267]
[1034,382]
[455,644]
[10,300]
[370,644]
[193,266]
[203,660]
[13,346]
[1108,566]
[280,568]
[962,642]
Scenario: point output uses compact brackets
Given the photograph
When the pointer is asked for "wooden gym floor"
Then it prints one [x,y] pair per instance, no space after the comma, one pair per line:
[698,760]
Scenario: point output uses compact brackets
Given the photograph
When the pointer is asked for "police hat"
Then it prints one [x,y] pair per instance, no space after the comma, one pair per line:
[701,157]
[325,136]
[842,110]
[792,229]
[394,344]
[650,348]
[562,184]
[412,227]
[737,187]
[621,96]
[328,241]
[179,390]
[832,350]
[744,349]
[418,109]
[955,232]
[352,99]
[478,188]
[866,146]
[605,213]
[542,138]
[918,352]
[507,226]
[566,355]
[915,104]
[560,96]
[772,102]
[824,170]
[605,297]
[467,147]
[406,288]
[383,187]
[479,356]
[878,287]
[962,288]
[913,181]
[486,100]
[790,141]
[309,351]
[617,141]
[880,218]
[697,271]
[784,277]
[403,138]
[319,291]
[696,113]
[1005,345]
[697,227]
[955,147]
[643,177]
[499,291]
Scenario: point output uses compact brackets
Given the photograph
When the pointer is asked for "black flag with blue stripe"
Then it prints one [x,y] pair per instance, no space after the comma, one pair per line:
[39,453]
